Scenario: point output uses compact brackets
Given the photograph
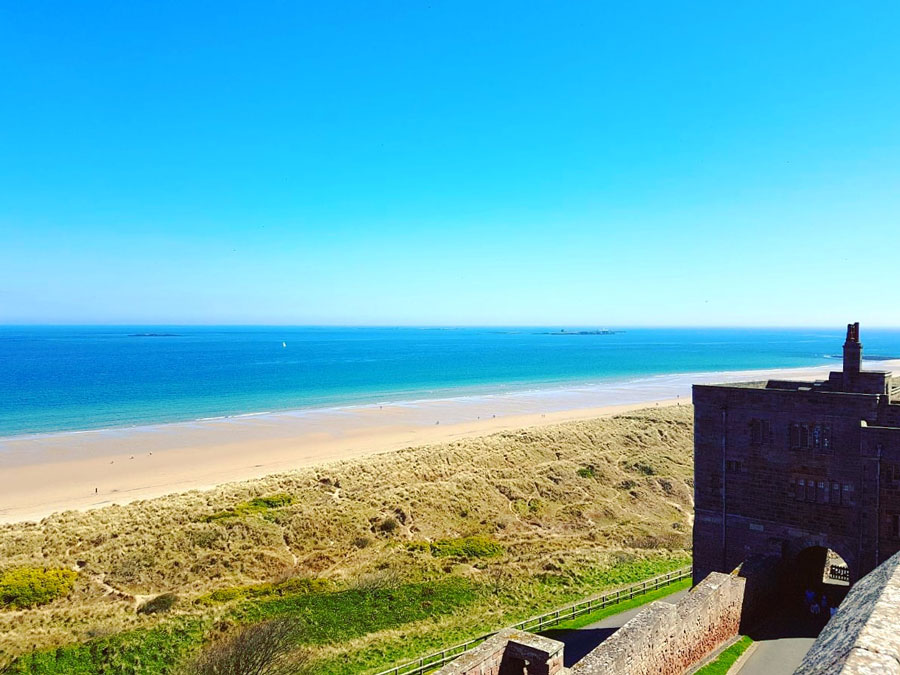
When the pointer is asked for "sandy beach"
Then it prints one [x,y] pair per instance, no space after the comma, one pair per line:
[46,473]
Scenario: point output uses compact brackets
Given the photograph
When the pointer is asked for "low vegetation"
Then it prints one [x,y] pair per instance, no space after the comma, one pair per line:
[260,506]
[466,548]
[265,648]
[161,603]
[376,560]
[727,658]
[25,587]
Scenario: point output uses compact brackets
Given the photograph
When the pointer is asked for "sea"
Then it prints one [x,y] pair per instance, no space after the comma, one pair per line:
[68,378]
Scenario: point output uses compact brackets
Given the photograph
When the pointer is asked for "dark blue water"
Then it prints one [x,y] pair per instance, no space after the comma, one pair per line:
[65,378]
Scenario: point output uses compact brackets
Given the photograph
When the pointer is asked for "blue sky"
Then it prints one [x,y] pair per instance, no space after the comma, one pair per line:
[450,163]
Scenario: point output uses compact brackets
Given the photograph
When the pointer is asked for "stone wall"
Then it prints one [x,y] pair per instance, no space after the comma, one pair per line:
[863,637]
[666,639]
[510,652]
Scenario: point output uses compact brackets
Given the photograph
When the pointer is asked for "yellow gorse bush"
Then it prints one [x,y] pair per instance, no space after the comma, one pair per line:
[26,587]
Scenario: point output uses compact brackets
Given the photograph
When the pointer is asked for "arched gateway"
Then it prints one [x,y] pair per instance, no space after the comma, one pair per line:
[781,467]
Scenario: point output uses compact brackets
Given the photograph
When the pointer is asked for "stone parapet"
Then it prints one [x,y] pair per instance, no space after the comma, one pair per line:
[510,652]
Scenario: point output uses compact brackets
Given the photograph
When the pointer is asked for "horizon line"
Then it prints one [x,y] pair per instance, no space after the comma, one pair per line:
[438,325]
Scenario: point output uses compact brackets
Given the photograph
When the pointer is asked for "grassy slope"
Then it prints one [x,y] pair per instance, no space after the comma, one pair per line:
[727,658]
[352,526]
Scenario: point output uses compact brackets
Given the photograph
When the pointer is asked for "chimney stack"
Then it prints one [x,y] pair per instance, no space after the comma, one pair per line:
[852,352]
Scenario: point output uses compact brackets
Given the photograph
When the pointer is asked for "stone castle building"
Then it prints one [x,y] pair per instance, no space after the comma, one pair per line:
[782,469]
[783,466]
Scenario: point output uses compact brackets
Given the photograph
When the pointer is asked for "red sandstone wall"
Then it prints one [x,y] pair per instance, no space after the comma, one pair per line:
[666,639]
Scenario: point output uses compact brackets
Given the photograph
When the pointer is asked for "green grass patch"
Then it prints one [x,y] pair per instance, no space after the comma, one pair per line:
[586,472]
[727,658]
[623,606]
[501,607]
[342,615]
[155,651]
[259,506]
[26,587]
[460,547]
[270,589]
[466,547]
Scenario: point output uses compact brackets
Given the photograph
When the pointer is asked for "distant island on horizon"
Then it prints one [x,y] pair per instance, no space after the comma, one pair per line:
[601,331]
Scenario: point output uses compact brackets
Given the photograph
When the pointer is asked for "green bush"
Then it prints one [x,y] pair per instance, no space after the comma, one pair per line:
[645,469]
[31,586]
[586,472]
[388,525]
[161,603]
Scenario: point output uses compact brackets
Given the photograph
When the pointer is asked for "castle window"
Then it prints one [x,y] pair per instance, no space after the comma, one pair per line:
[892,475]
[821,437]
[846,489]
[800,490]
[822,492]
[759,432]
[799,436]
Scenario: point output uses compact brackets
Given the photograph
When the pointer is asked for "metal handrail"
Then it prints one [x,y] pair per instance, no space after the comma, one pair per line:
[425,664]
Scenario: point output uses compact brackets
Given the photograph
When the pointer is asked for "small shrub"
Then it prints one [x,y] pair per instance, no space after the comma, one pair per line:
[267,648]
[586,472]
[627,485]
[32,586]
[645,469]
[527,508]
[388,525]
[161,603]
[362,542]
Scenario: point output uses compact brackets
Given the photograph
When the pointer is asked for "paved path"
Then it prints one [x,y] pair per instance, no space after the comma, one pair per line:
[582,641]
[781,644]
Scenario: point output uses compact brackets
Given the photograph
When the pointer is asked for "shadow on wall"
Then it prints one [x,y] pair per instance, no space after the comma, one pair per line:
[579,643]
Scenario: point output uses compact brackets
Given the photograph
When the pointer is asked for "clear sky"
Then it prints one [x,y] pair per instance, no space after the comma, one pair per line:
[450,162]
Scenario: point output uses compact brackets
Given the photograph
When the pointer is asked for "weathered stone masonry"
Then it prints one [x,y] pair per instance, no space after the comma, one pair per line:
[863,638]
[510,652]
[780,466]
[666,639]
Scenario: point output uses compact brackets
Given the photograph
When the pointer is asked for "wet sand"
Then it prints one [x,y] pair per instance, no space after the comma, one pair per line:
[46,473]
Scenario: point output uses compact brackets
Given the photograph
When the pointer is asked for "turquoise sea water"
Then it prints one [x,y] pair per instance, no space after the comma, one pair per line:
[69,378]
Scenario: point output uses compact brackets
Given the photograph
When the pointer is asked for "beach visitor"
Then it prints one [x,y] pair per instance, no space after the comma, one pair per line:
[810,597]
